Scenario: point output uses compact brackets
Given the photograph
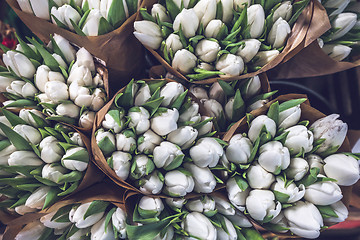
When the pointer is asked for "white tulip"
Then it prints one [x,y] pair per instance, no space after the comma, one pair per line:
[143,166]
[110,122]
[241,4]
[256,105]
[84,58]
[239,219]
[53,172]
[87,119]
[184,61]
[56,91]
[289,117]
[284,11]
[5,154]
[206,152]
[81,75]
[151,184]
[66,48]
[212,107]
[203,178]
[204,205]
[264,57]
[338,52]
[125,141]
[150,207]
[142,96]
[236,195]
[148,141]
[258,123]
[27,116]
[22,210]
[22,88]
[5,82]
[80,95]
[341,210]
[100,232]
[342,24]
[227,10]
[44,75]
[320,42]
[205,129]
[248,51]
[178,184]
[323,193]
[25,6]
[98,99]
[175,203]
[77,139]
[166,122]
[118,220]
[274,157]
[103,137]
[230,64]
[24,158]
[191,114]
[205,11]
[68,13]
[31,231]
[170,92]
[199,226]
[337,6]
[5,121]
[345,169]
[91,26]
[189,22]
[229,234]
[165,154]
[19,63]
[279,33]
[183,137]
[179,3]
[29,133]
[74,164]
[256,20]
[76,215]
[304,219]
[121,164]
[148,33]
[299,139]
[59,60]
[106,5]
[294,192]
[297,169]
[207,50]
[223,206]
[159,11]
[315,161]
[37,198]
[213,28]
[68,109]
[50,150]
[81,233]
[139,119]
[173,42]
[261,205]
[259,178]
[239,149]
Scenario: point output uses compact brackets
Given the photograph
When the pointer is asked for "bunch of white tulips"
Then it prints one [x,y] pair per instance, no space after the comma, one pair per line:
[62,80]
[85,17]
[210,38]
[96,220]
[40,162]
[155,138]
[344,36]
[227,102]
[285,174]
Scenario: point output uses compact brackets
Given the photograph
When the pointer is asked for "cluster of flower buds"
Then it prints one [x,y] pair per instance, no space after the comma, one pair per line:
[62,80]
[85,17]
[155,138]
[227,102]
[209,38]
[40,162]
[344,35]
[96,220]
[285,174]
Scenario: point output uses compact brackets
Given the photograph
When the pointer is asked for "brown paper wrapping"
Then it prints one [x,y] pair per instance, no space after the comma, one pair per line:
[120,50]
[302,34]
[307,113]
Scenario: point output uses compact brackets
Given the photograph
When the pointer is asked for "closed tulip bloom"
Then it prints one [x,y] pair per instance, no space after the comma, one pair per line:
[76,215]
[297,169]
[125,141]
[203,178]
[22,210]
[323,193]
[320,42]
[141,166]
[21,88]
[341,210]
[256,105]
[256,20]
[56,91]
[165,154]
[98,99]
[148,141]
[223,206]
[239,149]
[175,203]
[294,192]
[106,141]
[279,33]
[213,28]
[274,157]
[342,24]
[289,117]
[204,205]
[76,139]
[50,150]
[338,52]
[150,207]
[241,3]
[205,11]
[25,6]
[343,168]
[5,82]
[29,133]
[170,92]
[151,184]
[236,195]
[206,152]
[239,219]
[212,107]
[139,119]
[27,116]
[59,60]
[304,219]
[207,50]
[44,75]
[37,198]
[66,48]
[81,233]
[68,110]
[74,164]
[53,172]
[107,4]
[173,42]
[46,221]
[183,137]
[315,161]
[248,51]
[159,11]
[81,75]
[110,122]
[68,13]
[230,64]
[5,121]
[166,122]
[216,92]
[227,10]
[87,119]
[19,63]
[284,11]
[118,221]
[299,139]
[261,205]
[258,123]
[337,6]
[100,232]
[259,178]
[91,26]
[84,58]
[205,129]
[199,226]
[148,33]
[142,96]
[264,57]
[24,158]
[189,22]
[229,234]
[184,61]
[191,114]
[5,154]
[33,230]
[121,164]
[177,184]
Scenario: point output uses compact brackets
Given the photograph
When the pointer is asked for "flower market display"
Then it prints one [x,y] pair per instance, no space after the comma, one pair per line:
[145,120]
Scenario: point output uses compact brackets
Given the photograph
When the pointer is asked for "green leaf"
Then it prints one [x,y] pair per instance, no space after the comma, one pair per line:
[49,60]
[4,144]
[109,216]
[77,28]
[27,50]
[172,9]
[243,185]
[58,22]
[96,206]
[106,146]
[175,163]
[327,211]
[13,118]
[81,155]
[17,140]
[16,181]
[29,187]
[45,181]
[148,231]
[281,197]
[57,49]
[72,188]
[155,85]
[21,201]
[51,197]
[298,7]
[291,103]
[132,6]
[219,10]
[40,122]
[261,97]
[227,88]
[63,211]
[310,178]
[104,26]
[153,105]
[116,14]
[274,112]
[21,103]
[238,107]
[179,101]
[73,176]
[84,17]
[145,15]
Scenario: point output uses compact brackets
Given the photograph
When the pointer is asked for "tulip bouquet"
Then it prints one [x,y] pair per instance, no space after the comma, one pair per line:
[344,36]
[86,18]
[209,38]
[283,171]
[64,82]
[153,136]
[40,162]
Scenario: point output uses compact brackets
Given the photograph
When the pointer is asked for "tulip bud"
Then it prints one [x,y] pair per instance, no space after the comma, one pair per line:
[158,11]
[284,11]
[205,66]
[76,215]
[297,169]
[257,125]
[148,141]
[239,149]
[256,20]
[205,129]
[29,133]
[142,96]
[152,184]
[343,168]
[212,107]
[295,193]
[304,219]
[37,198]
[66,48]
[341,210]
[248,51]
[289,117]
[230,64]
[166,155]
[27,116]
[175,203]
[217,93]
[24,158]
[259,178]
[99,231]
[299,139]
[84,58]
[121,164]
[44,75]
[323,193]
[205,205]
[184,61]
[53,172]
[148,33]
[240,4]
[236,195]
[261,205]
[76,164]
[80,95]
[191,114]
[68,109]
[50,150]
[170,92]
[213,28]
[320,42]
[199,226]
[87,119]
[178,184]
[279,33]
[274,157]
[229,234]
[56,91]
[150,207]
[5,83]
[19,63]
[315,161]
[106,141]
[207,50]
[342,24]
[5,154]
[21,88]
[206,152]
[183,137]
[264,57]
[69,13]
[81,75]
[59,60]
[166,122]
[111,122]
[256,105]
[118,220]
[337,52]
[205,11]
[141,166]
[337,7]
[203,178]
[33,230]
[125,141]
[25,6]
[173,42]
[239,219]
[5,121]
[22,210]
[91,26]
[189,22]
